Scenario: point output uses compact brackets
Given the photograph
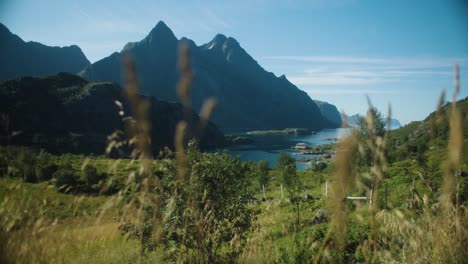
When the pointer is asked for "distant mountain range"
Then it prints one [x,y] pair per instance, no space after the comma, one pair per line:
[65,113]
[248,96]
[19,58]
[353,121]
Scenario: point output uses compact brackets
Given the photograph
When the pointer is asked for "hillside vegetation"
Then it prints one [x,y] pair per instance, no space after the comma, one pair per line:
[63,113]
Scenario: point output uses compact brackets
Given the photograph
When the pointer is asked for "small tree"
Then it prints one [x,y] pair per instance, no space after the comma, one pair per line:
[64,179]
[369,128]
[45,167]
[203,215]
[319,166]
[44,172]
[26,164]
[90,175]
[293,187]
[212,209]
[291,180]
[263,177]
[283,160]
[3,166]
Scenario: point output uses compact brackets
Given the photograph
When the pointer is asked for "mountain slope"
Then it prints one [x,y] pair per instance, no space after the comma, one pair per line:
[330,112]
[65,113]
[20,58]
[248,96]
[431,134]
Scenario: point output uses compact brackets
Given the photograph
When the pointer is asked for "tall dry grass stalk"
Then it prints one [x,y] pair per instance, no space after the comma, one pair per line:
[376,144]
[183,90]
[342,180]
[139,134]
[196,212]
[450,220]
[455,149]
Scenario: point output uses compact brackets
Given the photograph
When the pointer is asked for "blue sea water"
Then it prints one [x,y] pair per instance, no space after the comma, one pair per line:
[267,147]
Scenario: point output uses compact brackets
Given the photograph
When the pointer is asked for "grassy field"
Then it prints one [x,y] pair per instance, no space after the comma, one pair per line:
[46,226]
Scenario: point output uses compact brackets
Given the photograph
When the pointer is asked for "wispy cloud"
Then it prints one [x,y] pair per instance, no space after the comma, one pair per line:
[412,63]
[332,79]
[342,70]
[351,91]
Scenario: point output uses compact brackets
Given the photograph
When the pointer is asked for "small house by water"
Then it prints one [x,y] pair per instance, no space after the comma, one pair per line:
[301,146]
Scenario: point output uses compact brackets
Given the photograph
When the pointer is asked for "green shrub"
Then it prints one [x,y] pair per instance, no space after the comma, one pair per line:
[319,166]
[207,212]
[93,182]
[65,179]
[262,170]
[3,165]
[283,160]
[44,172]
[25,165]
[90,175]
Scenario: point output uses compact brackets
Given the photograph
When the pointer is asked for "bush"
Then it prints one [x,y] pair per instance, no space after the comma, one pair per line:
[92,181]
[206,213]
[319,166]
[90,175]
[25,164]
[65,179]
[3,165]
[44,172]
[283,160]
[262,170]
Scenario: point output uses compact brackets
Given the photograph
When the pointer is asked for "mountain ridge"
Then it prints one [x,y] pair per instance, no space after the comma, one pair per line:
[248,95]
[20,58]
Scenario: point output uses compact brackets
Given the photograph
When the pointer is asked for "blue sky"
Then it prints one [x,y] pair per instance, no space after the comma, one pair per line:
[398,52]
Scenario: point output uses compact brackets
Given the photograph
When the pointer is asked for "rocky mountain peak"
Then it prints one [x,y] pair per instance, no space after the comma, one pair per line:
[160,32]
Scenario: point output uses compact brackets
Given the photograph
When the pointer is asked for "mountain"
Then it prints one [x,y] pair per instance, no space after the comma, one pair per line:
[353,121]
[20,58]
[65,113]
[248,96]
[330,112]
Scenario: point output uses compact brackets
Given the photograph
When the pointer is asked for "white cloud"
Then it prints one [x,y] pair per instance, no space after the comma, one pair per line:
[347,70]
[331,80]
[313,92]
[392,62]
